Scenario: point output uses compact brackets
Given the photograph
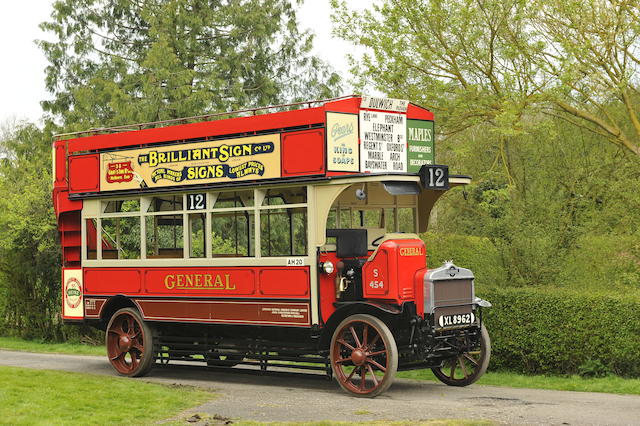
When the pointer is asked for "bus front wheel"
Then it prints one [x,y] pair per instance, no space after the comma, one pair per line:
[364,356]
[467,367]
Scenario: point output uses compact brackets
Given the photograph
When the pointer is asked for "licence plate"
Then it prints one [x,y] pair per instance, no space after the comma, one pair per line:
[456,320]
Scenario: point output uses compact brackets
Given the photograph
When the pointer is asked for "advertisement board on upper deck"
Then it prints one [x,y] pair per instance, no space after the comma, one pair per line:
[248,158]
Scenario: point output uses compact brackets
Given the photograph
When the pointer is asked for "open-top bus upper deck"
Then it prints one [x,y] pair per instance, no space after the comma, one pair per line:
[345,136]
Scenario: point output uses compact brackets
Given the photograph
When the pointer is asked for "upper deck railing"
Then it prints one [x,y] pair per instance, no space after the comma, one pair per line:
[196,118]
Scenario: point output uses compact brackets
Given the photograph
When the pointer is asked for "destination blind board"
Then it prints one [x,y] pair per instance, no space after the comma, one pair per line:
[385,104]
[229,160]
[383,142]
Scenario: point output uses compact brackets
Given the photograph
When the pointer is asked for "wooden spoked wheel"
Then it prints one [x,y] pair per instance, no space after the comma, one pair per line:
[129,343]
[467,367]
[364,356]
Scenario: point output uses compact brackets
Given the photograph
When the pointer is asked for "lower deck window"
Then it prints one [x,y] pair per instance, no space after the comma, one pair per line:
[197,240]
[232,234]
[120,238]
[283,232]
[165,236]
[225,224]
[91,242]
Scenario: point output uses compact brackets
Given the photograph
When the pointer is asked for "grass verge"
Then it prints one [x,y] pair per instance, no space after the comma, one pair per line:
[16,344]
[608,384]
[43,397]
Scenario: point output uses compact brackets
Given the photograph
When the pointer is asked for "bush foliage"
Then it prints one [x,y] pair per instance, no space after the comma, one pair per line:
[544,330]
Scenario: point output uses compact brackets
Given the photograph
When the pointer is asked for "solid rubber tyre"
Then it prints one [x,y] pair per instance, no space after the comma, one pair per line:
[464,369]
[129,341]
[363,344]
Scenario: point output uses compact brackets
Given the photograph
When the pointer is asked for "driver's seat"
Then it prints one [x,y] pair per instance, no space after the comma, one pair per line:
[350,243]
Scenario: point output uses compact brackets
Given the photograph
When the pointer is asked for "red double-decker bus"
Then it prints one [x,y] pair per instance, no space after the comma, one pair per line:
[285,236]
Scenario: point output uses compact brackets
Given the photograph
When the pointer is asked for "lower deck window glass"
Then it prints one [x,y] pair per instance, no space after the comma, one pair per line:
[92,239]
[197,235]
[283,232]
[232,234]
[121,238]
[164,236]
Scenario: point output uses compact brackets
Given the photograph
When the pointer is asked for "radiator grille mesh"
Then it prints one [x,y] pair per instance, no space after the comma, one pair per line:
[452,292]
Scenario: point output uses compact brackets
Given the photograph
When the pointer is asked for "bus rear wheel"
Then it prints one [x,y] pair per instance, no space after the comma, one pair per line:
[364,356]
[129,342]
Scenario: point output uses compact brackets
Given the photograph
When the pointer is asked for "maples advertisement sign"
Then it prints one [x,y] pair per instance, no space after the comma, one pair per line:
[419,144]
[250,158]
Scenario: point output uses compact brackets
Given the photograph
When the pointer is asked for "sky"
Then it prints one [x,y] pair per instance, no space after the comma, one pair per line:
[22,70]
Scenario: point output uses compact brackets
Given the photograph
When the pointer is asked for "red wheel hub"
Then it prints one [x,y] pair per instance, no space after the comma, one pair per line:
[124,343]
[358,357]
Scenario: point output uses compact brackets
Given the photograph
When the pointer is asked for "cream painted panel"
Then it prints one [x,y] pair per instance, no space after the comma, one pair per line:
[72,294]
[324,197]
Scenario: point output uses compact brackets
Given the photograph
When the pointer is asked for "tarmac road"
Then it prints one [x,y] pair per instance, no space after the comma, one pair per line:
[295,397]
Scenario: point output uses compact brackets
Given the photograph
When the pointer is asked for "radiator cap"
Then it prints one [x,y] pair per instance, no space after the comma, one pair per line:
[449,271]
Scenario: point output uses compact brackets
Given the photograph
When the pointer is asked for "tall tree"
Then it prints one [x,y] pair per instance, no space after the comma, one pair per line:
[29,252]
[122,61]
[589,52]
[490,61]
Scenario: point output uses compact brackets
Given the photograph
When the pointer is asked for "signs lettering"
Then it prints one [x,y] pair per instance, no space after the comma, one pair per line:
[198,281]
[255,157]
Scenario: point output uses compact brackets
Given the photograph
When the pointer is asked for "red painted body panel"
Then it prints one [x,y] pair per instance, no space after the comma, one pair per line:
[60,161]
[418,113]
[84,173]
[226,312]
[327,287]
[303,153]
[418,289]
[62,203]
[258,282]
[112,281]
[283,282]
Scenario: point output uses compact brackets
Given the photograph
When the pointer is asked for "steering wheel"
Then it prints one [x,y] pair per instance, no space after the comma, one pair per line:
[376,242]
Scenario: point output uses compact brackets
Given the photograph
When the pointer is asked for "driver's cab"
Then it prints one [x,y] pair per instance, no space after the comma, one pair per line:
[377,207]
[371,227]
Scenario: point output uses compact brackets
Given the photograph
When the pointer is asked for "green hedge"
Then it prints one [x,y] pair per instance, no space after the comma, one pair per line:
[538,330]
